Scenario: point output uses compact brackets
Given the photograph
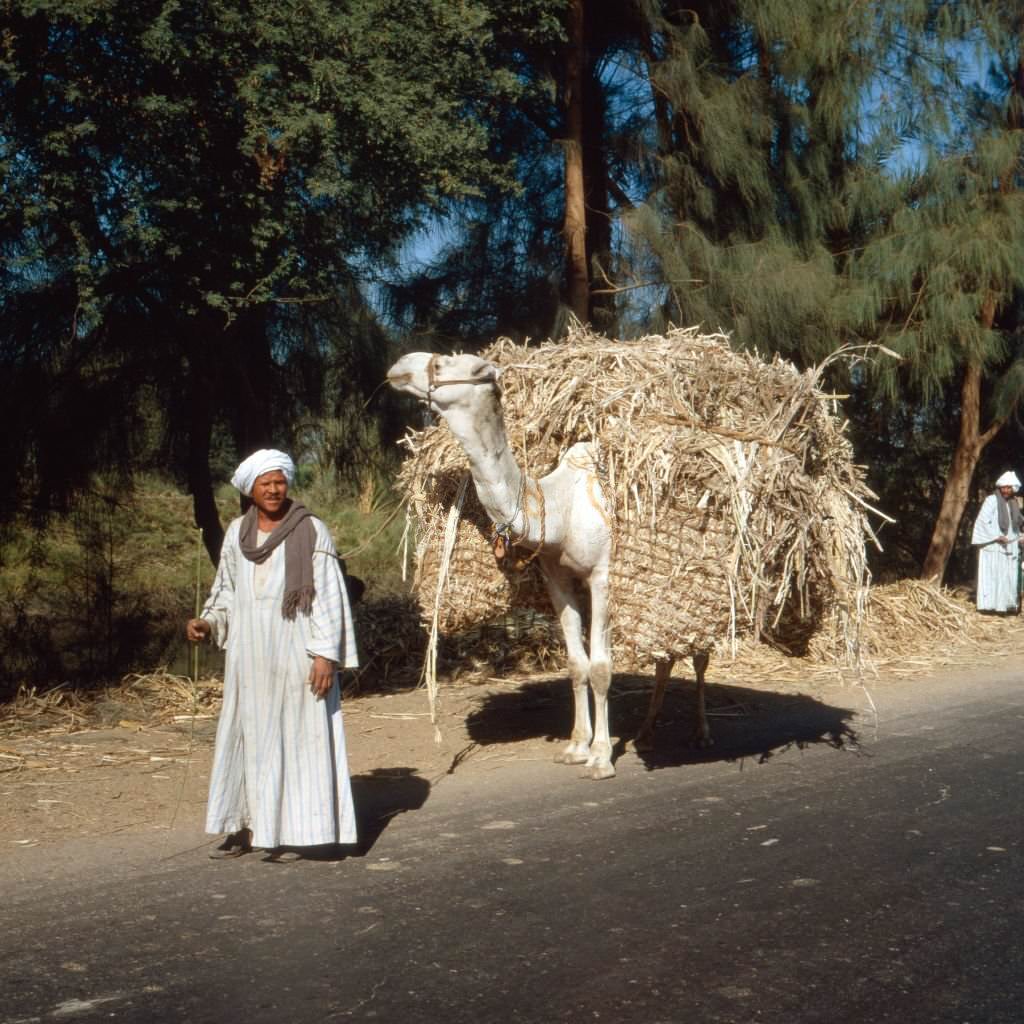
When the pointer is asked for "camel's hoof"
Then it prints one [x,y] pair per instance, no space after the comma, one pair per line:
[599,771]
[571,757]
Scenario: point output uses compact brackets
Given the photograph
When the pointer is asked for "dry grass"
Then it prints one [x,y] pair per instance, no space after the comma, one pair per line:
[911,629]
[138,701]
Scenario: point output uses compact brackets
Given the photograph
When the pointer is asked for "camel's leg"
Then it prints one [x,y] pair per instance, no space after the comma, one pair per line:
[662,674]
[702,734]
[559,585]
[599,765]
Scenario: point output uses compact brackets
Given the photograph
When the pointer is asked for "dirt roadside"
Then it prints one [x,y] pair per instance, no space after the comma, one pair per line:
[138,778]
[142,777]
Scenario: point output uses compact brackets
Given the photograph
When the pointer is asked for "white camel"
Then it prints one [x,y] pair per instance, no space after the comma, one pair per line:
[563,519]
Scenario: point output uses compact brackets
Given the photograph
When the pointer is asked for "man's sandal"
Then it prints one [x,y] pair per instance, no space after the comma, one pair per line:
[235,845]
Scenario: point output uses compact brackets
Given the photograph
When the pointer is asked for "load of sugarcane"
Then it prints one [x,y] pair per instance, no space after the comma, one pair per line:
[737,508]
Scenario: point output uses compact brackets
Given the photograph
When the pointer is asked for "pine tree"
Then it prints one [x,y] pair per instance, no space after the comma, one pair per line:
[947,263]
[767,120]
[783,216]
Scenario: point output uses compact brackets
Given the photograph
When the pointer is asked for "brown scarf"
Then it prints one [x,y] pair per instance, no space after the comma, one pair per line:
[297,533]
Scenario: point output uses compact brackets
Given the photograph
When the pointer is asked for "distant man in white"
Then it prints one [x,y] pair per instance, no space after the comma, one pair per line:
[997,536]
[279,608]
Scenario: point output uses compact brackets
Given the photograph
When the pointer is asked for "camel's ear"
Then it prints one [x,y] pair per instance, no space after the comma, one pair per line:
[496,372]
[488,371]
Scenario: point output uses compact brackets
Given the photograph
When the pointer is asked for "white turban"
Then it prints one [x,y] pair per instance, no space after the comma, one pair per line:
[1009,479]
[266,460]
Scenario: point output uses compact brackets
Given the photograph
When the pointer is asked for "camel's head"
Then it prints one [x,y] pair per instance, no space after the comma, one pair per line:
[445,382]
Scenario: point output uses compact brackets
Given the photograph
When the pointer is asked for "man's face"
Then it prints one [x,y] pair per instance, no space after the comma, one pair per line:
[269,493]
[1006,491]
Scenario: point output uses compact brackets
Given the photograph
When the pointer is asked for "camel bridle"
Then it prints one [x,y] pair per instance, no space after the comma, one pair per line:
[433,383]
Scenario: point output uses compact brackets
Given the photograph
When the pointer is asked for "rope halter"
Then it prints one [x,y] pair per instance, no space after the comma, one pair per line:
[433,383]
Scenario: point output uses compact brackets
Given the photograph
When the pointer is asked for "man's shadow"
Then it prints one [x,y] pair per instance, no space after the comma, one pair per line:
[745,722]
[379,796]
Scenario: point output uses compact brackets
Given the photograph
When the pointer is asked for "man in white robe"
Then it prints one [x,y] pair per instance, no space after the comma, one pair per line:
[998,537]
[279,608]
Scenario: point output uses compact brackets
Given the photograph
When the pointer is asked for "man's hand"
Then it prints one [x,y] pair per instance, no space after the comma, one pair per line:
[321,675]
[197,630]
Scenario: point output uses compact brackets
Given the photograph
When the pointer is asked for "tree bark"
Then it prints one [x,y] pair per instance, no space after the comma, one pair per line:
[969,446]
[252,381]
[253,384]
[597,190]
[575,222]
[200,483]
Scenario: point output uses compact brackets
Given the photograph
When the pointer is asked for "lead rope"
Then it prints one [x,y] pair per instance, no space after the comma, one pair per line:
[502,541]
[526,517]
[543,526]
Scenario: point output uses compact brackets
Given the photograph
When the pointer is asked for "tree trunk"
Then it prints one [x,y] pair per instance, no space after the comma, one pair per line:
[597,196]
[198,467]
[253,384]
[969,447]
[575,223]
[252,381]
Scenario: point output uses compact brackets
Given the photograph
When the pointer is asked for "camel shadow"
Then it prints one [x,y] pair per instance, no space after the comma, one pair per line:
[745,722]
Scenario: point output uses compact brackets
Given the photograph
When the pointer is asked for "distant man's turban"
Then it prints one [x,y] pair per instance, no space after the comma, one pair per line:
[1009,479]
[266,460]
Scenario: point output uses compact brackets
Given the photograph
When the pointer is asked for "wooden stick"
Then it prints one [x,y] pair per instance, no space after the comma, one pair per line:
[199,570]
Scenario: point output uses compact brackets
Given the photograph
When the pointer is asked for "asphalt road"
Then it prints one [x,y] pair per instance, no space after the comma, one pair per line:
[821,865]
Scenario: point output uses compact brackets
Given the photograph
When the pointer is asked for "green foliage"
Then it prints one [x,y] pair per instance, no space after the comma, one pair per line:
[273,132]
[180,178]
[106,590]
[833,173]
[205,205]
[368,527]
[943,264]
[495,265]
[905,449]
[764,127]
[958,247]
[99,592]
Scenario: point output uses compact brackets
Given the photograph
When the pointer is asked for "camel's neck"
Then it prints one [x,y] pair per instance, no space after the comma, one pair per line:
[498,478]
